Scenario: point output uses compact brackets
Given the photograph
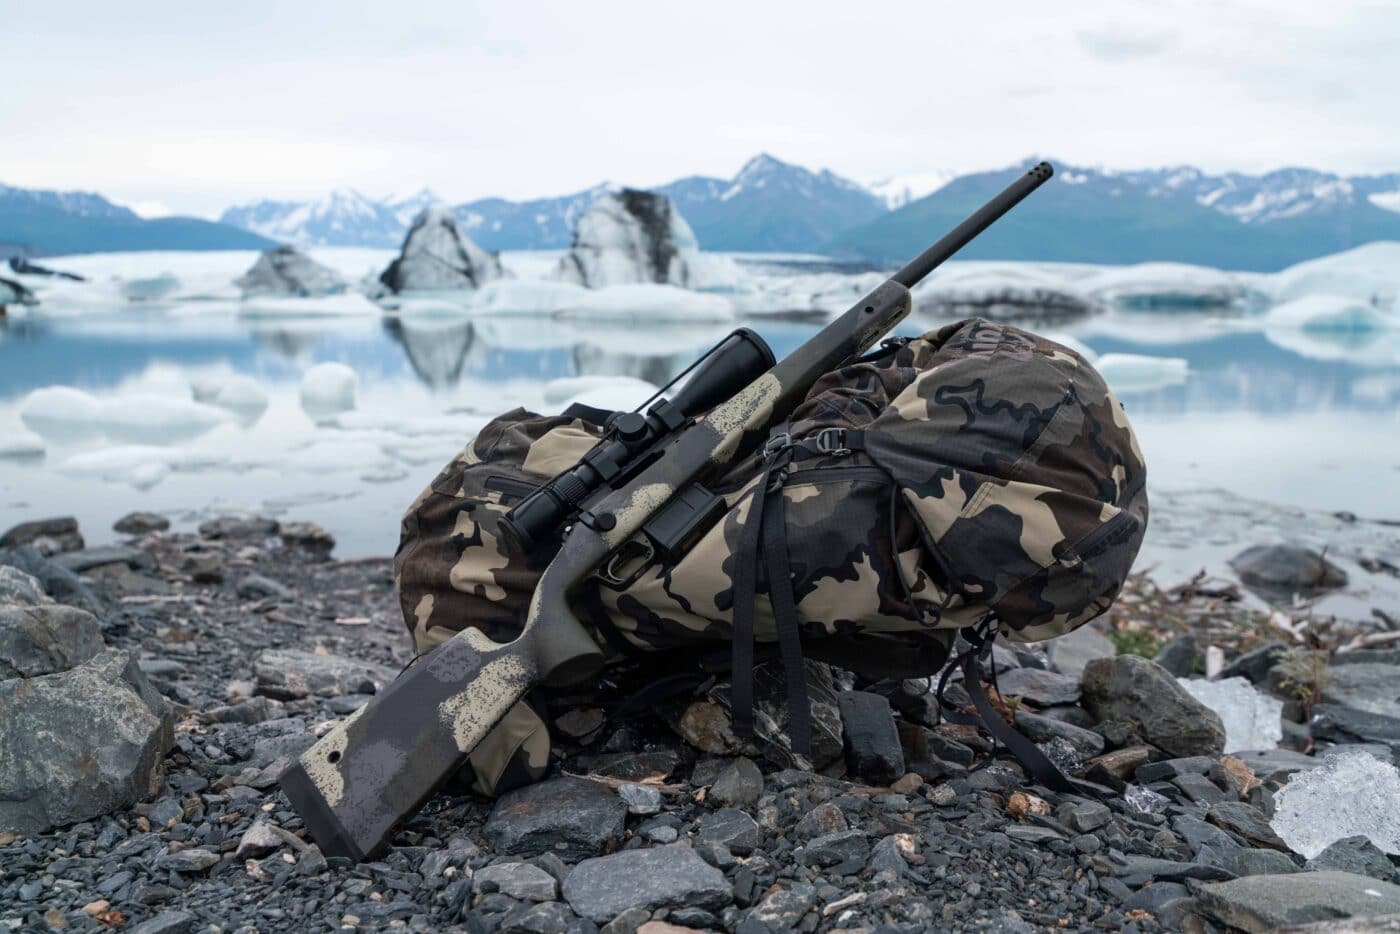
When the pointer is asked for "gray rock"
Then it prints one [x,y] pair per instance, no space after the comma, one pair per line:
[1137,870]
[1071,652]
[1368,657]
[1179,656]
[203,567]
[287,674]
[1247,823]
[739,784]
[518,880]
[1348,725]
[641,799]
[255,587]
[1249,861]
[312,861]
[62,531]
[18,588]
[1356,855]
[602,888]
[1280,571]
[542,918]
[1254,665]
[141,523]
[833,849]
[1168,769]
[258,841]
[873,751]
[167,922]
[823,819]
[1267,903]
[85,559]
[239,528]
[1083,816]
[58,582]
[1368,687]
[1276,764]
[1198,834]
[782,908]
[628,922]
[195,859]
[1200,789]
[165,813]
[81,743]
[1042,688]
[732,828]
[1042,729]
[570,817]
[886,856]
[1136,690]
[309,539]
[285,270]
[43,640]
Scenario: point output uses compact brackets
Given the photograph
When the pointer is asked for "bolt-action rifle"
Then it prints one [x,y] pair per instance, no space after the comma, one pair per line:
[639,489]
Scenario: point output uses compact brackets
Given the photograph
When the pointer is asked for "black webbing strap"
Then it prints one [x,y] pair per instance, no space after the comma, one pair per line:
[775,558]
[588,413]
[1026,752]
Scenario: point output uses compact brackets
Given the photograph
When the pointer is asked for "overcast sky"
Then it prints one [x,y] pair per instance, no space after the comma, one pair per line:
[194,106]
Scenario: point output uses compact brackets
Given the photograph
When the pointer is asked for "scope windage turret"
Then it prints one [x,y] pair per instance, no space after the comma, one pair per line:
[728,367]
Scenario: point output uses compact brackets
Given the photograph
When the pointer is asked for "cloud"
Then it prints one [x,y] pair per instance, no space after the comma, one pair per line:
[1124,43]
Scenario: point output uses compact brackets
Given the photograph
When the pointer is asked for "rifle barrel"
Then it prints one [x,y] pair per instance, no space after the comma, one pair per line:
[957,238]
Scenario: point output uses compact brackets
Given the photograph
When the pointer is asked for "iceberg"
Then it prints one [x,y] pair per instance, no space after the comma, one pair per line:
[14,293]
[650,303]
[563,392]
[236,392]
[628,237]
[152,289]
[21,444]
[1075,344]
[438,257]
[1130,372]
[1350,794]
[328,389]
[284,270]
[65,413]
[829,292]
[350,304]
[527,297]
[140,465]
[1004,293]
[1325,312]
[1158,286]
[1370,274]
[1252,720]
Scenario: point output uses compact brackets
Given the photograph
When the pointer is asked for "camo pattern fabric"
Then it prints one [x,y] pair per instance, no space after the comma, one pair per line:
[998,475]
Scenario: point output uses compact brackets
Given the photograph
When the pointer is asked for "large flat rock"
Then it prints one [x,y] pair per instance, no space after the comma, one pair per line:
[1267,903]
[287,674]
[45,639]
[663,877]
[570,817]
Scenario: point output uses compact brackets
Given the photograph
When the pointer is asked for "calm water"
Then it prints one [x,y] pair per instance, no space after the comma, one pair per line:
[1261,422]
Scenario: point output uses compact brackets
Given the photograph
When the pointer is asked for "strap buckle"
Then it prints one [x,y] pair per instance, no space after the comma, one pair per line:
[776,445]
[832,442]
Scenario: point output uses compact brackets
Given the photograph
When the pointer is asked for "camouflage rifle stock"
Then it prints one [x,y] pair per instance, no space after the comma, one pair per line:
[378,766]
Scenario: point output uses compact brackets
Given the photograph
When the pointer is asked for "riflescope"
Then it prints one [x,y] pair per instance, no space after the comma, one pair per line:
[726,368]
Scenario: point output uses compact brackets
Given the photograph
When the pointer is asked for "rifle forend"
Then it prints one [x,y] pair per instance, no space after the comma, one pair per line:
[381,763]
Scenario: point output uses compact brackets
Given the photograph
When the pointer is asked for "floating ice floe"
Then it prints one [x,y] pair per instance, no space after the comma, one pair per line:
[561,393]
[1369,274]
[20,444]
[1130,372]
[62,412]
[527,296]
[649,302]
[1329,313]
[328,389]
[1252,720]
[827,292]
[1165,286]
[235,392]
[1350,794]
[324,306]
[1075,344]
[140,465]
[1002,292]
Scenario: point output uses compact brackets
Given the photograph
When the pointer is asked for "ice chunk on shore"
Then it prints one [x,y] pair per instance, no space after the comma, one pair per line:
[1369,274]
[615,389]
[1130,372]
[1152,286]
[65,413]
[649,302]
[1252,720]
[322,306]
[328,389]
[1328,313]
[1351,794]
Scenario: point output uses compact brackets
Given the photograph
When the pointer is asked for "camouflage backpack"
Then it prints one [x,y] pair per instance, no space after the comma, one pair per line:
[978,480]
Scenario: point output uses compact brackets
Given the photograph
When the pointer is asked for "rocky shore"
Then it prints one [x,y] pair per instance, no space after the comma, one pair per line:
[151,692]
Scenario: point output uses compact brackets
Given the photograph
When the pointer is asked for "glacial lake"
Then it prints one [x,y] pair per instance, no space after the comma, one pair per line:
[1266,437]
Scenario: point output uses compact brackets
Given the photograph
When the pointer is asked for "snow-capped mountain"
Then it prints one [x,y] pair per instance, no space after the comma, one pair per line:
[407,207]
[1273,196]
[538,224]
[898,190]
[342,218]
